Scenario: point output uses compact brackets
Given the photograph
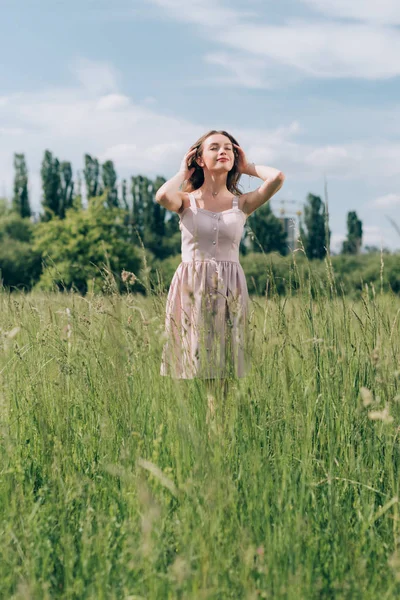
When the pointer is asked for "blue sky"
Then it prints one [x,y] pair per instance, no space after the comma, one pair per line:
[310,87]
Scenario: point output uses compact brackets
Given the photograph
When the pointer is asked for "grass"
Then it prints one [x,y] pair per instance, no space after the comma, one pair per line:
[112,485]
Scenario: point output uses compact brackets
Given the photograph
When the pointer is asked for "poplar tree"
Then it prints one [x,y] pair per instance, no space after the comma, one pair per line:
[20,202]
[66,189]
[91,174]
[109,178]
[354,234]
[314,237]
[50,173]
[266,232]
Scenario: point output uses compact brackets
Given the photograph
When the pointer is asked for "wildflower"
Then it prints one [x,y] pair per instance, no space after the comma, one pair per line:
[375,356]
[381,415]
[128,277]
[366,396]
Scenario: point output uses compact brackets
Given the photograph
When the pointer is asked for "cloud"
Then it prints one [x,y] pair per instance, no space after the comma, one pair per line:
[387,201]
[376,236]
[323,50]
[313,48]
[245,71]
[373,235]
[112,102]
[206,13]
[336,242]
[140,138]
[382,12]
[95,76]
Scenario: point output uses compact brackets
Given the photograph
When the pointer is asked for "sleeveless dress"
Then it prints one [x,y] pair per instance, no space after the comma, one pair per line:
[207,309]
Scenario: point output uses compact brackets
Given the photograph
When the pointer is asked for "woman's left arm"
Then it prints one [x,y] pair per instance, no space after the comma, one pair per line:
[272,182]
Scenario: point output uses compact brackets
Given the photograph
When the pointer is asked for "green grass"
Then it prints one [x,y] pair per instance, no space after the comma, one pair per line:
[112,485]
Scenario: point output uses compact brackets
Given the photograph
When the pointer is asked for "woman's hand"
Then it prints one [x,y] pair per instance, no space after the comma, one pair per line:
[242,161]
[184,168]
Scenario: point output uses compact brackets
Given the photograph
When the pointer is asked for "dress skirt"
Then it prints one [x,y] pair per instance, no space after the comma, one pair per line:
[207,322]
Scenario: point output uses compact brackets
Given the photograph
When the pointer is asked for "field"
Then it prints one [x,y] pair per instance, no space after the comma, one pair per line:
[113,485]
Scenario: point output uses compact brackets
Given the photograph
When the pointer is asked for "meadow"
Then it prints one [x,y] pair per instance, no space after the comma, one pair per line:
[113,484]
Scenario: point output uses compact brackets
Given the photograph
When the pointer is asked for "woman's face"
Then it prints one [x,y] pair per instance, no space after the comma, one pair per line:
[218,154]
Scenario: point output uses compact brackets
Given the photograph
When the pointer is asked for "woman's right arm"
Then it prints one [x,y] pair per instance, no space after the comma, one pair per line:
[169,194]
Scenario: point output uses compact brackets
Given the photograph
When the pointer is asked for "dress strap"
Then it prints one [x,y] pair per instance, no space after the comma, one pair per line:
[192,202]
[235,202]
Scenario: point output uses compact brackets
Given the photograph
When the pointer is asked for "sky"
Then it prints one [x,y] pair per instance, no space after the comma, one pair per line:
[310,87]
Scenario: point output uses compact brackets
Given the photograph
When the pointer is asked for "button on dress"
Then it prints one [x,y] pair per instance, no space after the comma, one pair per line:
[207,309]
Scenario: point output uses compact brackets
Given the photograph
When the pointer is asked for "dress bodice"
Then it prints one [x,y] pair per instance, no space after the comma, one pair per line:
[208,235]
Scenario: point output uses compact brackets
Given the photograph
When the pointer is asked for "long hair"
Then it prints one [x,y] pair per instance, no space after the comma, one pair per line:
[197,178]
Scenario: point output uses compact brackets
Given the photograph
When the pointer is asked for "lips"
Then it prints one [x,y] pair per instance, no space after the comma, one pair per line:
[223,160]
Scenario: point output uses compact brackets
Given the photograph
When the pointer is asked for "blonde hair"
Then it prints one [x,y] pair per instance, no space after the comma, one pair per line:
[196,180]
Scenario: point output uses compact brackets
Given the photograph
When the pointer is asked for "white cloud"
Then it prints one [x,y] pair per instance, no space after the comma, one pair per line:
[326,50]
[376,236]
[72,121]
[207,13]
[112,102]
[384,11]
[373,235]
[245,71]
[386,201]
[95,76]
[141,139]
[336,242]
[314,48]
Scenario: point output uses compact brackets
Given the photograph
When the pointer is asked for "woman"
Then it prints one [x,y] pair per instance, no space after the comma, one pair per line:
[207,306]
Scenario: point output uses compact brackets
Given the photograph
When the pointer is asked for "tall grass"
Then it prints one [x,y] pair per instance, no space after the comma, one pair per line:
[113,485]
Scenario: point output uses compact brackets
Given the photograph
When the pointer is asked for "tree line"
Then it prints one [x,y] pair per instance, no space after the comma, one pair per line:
[71,245]
[156,225]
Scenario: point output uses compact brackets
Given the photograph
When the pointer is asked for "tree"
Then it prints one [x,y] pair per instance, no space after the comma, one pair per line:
[20,265]
[141,188]
[66,189]
[314,238]
[76,249]
[354,234]
[50,173]
[20,202]
[91,174]
[124,196]
[109,178]
[268,231]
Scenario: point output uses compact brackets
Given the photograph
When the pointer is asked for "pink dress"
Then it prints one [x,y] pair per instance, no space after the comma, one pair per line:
[207,310]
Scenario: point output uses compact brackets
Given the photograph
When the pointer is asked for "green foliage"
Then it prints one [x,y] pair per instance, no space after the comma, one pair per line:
[114,485]
[109,177]
[50,173]
[66,192]
[20,202]
[91,174]
[267,234]
[5,208]
[80,248]
[285,275]
[354,234]
[20,264]
[316,236]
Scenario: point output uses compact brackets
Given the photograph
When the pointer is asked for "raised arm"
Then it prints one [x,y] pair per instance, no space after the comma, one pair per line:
[169,194]
[273,181]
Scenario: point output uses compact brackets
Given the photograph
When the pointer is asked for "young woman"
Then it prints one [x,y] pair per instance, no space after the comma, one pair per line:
[208,304]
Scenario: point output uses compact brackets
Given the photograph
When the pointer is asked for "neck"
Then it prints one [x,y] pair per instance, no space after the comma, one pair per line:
[214,184]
